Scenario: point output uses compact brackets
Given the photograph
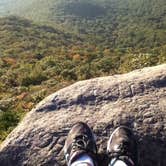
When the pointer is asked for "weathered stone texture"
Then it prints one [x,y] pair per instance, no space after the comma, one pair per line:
[136,99]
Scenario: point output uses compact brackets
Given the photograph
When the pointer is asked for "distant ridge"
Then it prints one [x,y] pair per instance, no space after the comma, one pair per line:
[121,23]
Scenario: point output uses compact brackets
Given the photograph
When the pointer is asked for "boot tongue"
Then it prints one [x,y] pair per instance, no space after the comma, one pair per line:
[121,145]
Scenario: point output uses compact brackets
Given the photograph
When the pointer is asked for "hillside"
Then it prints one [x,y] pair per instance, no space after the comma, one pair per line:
[119,23]
[36,60]
[136,99]
[33,63]
[51,44]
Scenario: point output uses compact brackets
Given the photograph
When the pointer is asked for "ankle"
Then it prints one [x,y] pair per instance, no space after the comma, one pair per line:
[122,161]
[83,160]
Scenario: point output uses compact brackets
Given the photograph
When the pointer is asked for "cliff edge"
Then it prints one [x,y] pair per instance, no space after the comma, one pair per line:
[136,99]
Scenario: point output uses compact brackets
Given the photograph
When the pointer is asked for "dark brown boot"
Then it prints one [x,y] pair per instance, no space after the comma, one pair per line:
[122,146]
[80,140]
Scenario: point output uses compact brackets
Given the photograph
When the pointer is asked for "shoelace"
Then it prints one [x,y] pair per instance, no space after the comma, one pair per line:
[80,142]
[122,149]
[122,153]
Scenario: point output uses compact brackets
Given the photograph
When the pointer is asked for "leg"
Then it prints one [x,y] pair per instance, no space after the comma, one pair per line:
[122,148]
[80,146]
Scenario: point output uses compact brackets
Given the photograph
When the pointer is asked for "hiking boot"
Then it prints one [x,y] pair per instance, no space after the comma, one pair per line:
[122,146]
[80,141]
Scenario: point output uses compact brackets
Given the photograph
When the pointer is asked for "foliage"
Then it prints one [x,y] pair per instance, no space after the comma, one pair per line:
[120,23]
[8,120]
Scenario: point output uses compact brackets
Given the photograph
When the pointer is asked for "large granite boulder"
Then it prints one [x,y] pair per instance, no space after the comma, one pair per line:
[136,99]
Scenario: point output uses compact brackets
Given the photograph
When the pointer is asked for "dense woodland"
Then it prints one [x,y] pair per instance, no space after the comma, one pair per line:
[80,40]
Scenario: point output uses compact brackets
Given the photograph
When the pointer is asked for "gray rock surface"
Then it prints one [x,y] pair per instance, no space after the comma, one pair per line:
[136,99]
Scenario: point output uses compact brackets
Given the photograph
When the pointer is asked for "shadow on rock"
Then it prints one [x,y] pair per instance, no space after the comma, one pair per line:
[152,151]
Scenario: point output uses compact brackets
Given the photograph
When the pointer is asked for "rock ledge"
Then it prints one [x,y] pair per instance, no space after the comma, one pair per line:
[136,99]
